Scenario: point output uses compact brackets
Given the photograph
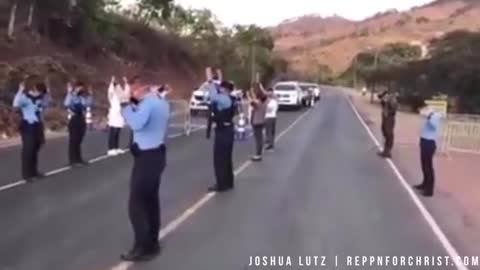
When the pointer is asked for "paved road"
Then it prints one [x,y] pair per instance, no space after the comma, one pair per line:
[323,192]
[54,154]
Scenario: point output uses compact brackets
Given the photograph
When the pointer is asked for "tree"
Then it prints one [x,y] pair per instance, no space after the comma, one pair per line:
[149,10]
[11,21]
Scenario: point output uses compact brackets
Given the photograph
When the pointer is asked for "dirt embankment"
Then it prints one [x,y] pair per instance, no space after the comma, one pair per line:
[30,54]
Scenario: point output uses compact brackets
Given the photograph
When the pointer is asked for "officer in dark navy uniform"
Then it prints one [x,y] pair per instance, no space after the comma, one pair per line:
[223,107]
[31,104]
[77,101]
[147,116]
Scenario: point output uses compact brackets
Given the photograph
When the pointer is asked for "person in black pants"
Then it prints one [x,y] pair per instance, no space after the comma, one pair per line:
[428,147]
[77,101]
[147,116]
[31,104]
[389,110]
[259,109]
[223,109]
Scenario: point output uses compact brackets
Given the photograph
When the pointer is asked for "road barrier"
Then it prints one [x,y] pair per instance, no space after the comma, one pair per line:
[180,117]
[462,134]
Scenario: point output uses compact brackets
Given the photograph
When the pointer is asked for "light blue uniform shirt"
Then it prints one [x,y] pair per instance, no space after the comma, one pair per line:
[431,127]
[30,110]
[222,101]
[148,120]
[75,102]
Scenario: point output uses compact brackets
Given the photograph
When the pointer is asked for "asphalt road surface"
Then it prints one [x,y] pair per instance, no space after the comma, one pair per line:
[323,192]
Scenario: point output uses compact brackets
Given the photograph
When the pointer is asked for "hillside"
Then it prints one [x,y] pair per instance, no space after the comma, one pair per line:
[334,41]
[92,40]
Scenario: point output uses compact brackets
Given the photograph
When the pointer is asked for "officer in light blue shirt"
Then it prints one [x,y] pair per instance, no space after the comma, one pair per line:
[213,96]
[428,145]
[148,116]
[77,101]
[31,104]
[223,109]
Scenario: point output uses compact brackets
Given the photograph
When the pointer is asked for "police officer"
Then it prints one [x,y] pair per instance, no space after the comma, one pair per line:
[389,110]
[77,101]
[147,115]
[428,146]
[223,106]
[31,104]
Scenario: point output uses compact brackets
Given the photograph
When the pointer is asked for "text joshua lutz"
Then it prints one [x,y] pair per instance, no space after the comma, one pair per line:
[287,261]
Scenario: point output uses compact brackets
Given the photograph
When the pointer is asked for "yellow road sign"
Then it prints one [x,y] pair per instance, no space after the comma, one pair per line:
[438,106]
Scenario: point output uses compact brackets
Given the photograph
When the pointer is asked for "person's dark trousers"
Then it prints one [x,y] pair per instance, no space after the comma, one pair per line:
[270,131]
[388,126]
[223,157]
[114,138]
[144,201]
[31,135]
[258,134]
[76,129]
[427,151]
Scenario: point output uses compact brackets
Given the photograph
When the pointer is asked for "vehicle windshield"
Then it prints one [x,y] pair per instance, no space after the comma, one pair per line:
[285,87]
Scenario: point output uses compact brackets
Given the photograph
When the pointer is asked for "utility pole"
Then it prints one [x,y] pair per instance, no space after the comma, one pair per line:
[375,65]
[252,79]
[355,72]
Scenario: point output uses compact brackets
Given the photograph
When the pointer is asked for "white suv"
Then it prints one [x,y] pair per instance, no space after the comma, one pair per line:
[198,101]
[289,94]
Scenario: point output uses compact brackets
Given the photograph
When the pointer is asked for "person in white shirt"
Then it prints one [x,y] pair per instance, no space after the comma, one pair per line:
[271,119]
[116,121]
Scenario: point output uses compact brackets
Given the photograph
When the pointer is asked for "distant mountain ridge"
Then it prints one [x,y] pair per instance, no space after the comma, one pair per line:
[334,40]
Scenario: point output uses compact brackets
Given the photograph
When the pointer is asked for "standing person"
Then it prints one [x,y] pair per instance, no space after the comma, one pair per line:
[115,118]
[271,119]
[259,108]
[31,104]
[389,111]
[147,116]
[77,101]
[223,107]
[428,146]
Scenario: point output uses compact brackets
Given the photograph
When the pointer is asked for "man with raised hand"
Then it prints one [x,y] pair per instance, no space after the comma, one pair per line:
[147,115]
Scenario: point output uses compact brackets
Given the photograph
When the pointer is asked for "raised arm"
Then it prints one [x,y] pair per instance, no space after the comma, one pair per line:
[111,89]
[137,118]
[20,99]
[433,121]
[68,98]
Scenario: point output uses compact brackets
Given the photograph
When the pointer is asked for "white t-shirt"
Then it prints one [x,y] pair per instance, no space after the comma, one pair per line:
[272,108]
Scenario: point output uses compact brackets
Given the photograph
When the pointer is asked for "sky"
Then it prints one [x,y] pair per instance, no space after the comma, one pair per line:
[272,12]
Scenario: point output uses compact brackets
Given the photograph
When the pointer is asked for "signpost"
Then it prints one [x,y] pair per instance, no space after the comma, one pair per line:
[440,106]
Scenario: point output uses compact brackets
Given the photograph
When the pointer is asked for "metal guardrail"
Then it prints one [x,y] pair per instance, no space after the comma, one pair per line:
[180,115]
[462,136]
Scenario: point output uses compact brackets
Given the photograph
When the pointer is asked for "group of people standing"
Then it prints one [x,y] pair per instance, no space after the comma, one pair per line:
[31,99]
[144,109]
[264,108]
[429,135]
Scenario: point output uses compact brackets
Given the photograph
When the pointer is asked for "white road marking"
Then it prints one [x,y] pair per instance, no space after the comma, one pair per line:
[452,252]
[12,185]
[174,224]
[97,159]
